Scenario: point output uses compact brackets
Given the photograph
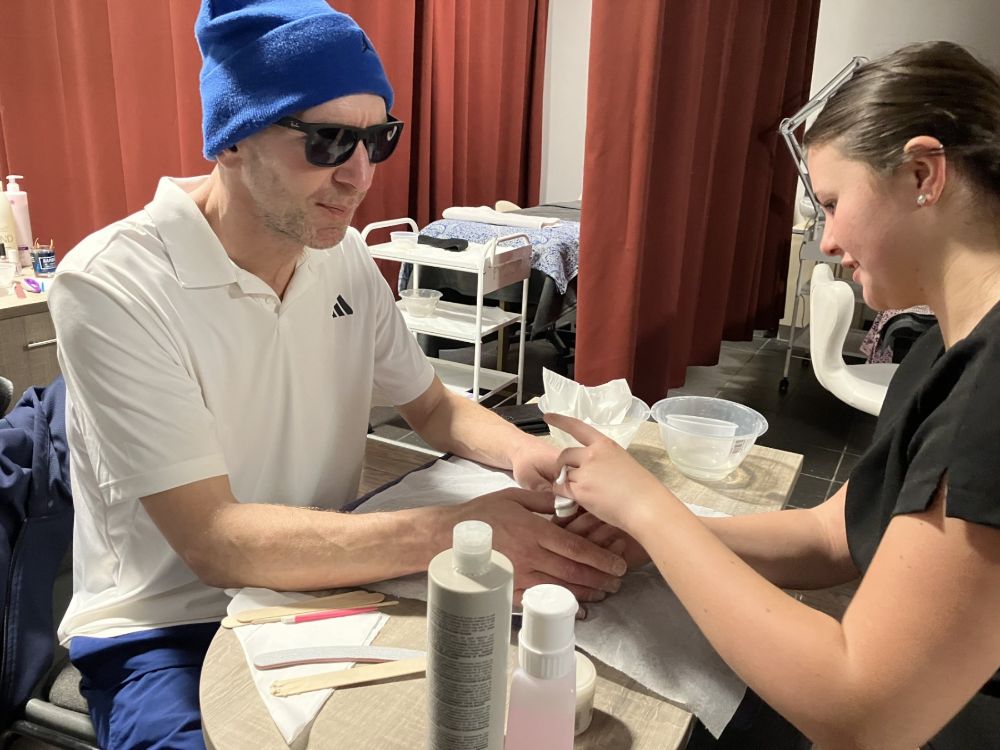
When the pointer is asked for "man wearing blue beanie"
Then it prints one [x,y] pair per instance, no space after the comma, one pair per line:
[221,348]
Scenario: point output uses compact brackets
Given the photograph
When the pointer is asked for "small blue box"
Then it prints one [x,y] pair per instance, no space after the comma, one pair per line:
[43,260]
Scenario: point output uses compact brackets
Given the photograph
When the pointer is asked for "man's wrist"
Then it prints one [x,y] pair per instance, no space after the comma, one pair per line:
[529,448]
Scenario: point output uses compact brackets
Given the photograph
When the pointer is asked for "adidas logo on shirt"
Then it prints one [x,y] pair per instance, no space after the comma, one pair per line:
[342,308]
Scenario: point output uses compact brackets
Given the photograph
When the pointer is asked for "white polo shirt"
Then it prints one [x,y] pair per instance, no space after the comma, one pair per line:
[181,366]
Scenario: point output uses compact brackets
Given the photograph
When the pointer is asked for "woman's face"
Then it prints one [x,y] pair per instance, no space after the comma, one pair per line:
[869,224]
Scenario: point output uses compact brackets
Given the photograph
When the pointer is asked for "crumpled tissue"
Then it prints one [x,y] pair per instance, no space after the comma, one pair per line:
[600,404]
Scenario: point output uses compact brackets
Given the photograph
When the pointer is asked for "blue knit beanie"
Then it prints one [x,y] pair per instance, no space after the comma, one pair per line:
[266,59]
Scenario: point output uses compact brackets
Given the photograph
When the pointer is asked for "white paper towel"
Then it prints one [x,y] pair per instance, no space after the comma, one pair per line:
[295,713]
[642,631]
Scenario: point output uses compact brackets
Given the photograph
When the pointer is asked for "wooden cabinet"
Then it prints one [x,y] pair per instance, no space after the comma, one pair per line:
[27,343]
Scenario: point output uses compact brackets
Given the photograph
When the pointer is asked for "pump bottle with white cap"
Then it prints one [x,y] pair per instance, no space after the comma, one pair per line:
[542,706]
[470,591]
[18,200]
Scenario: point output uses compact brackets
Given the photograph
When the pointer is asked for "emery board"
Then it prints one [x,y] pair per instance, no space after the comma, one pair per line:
[350,600]
[291,657]
[345,677]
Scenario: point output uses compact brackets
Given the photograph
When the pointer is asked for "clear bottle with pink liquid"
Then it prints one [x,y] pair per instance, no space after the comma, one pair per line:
[542,705]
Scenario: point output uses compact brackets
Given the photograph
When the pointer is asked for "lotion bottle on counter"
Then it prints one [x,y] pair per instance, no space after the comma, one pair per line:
[542,710]
[470,590]
[18,200]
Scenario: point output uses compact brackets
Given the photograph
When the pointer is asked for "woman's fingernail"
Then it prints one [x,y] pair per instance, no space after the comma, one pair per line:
[620,567]
[598,596]
[612,588]
[581,613]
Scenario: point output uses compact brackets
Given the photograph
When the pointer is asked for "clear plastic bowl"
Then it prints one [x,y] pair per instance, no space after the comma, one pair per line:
[623,433]
[403,239]
[707,438]
[420,303]
[7,272]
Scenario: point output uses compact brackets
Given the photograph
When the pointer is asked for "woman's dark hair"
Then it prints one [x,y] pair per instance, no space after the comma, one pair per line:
[934,88]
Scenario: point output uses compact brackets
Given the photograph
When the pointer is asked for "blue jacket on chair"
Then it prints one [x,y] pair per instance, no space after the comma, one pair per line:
[36,526]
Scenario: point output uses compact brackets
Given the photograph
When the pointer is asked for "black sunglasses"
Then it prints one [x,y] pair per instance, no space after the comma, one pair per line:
[330,145]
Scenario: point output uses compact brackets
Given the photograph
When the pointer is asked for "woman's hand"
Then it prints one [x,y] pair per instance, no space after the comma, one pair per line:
[603,478]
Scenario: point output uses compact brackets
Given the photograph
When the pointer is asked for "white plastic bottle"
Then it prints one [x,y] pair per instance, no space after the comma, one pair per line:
[542,708]
[8,231]
[18,200]
[470,590]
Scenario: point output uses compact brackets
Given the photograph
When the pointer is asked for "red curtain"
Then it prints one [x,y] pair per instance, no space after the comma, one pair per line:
[687,200]
[468,79]
[99,99]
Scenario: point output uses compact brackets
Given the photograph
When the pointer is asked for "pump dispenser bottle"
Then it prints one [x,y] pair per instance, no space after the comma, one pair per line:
[470,590]
[18,200]
[542,707]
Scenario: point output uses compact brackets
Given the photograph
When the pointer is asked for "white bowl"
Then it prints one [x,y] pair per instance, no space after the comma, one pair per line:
[420,303]
[623,433]
[404,239]
[707,438]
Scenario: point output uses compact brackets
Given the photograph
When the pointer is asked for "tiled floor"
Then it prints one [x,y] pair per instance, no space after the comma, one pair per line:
[807,419]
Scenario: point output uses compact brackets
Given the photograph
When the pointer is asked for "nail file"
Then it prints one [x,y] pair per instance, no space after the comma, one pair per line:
[303,615]
[349,600]
[345,677]
[330,614]
[293,657]
[565,507]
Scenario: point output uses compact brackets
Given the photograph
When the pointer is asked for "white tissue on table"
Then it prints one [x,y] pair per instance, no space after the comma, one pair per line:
[642,631]
[600,404]
[294,714]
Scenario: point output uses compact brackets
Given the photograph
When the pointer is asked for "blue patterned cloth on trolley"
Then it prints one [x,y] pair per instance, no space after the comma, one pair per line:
[555,250]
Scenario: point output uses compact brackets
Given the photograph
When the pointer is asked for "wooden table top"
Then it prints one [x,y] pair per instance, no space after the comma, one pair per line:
[12,306]
[393,715]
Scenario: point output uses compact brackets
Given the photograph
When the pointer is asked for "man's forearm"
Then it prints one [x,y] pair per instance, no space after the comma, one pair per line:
[466,429]
[302,549]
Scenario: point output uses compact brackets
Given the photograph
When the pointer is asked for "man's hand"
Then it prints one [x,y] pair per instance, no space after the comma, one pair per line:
[610,537]
[535,466]
[541,551]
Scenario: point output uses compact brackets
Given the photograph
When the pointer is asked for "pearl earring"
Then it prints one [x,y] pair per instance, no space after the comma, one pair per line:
[921,199]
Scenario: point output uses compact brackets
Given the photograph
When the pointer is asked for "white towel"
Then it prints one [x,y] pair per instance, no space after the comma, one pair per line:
[295,713]
[486,215]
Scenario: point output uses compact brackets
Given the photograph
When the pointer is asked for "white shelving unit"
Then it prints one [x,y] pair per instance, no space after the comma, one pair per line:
[495,267]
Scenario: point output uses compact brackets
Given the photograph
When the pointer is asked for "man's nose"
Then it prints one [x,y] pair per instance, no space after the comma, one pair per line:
[357,171]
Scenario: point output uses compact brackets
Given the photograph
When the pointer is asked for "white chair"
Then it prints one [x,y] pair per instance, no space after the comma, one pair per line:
[831,307]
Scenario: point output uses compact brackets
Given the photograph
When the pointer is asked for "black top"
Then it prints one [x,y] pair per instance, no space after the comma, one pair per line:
[942,413]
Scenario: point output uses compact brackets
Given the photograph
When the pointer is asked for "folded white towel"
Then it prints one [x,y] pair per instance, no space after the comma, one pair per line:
[294,714]
[486,215]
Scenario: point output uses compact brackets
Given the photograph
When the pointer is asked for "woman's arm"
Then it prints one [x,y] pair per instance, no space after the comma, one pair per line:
[916,643]
[801,549]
